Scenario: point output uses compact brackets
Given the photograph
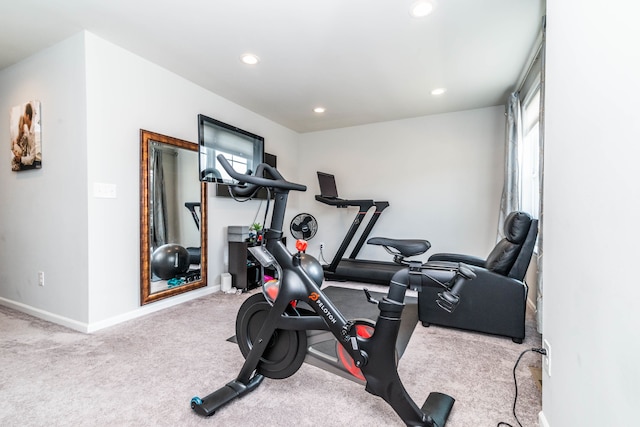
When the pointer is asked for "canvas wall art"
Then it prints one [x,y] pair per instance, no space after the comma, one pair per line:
[26,139]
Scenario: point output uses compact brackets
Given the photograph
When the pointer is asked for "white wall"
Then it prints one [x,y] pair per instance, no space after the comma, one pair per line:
[43,220]
[49,221]
[126,93]
[89,247]
[445,153]
[591,211]
[441,174]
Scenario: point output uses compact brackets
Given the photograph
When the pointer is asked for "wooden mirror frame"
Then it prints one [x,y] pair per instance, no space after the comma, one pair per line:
[146,296]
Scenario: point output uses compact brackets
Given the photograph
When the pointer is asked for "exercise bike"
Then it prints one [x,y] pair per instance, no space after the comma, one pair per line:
[271,326]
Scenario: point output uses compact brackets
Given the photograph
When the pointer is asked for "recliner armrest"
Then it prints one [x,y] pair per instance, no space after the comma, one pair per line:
[466,259]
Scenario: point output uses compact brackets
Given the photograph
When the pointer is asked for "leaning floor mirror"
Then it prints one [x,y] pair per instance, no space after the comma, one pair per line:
[173,218]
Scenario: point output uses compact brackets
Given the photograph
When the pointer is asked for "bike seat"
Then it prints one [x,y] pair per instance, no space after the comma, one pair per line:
[406,247]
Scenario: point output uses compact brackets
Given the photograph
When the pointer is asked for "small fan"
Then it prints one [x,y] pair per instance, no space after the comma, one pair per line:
[303,226]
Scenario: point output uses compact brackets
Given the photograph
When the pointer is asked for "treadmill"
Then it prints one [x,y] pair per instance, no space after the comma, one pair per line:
[352,269]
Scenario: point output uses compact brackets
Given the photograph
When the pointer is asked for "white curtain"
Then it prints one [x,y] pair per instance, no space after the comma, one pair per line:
[514,137]
[539,251]
[510,192]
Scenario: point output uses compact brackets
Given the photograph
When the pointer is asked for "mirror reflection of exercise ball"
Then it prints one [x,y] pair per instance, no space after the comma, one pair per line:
[169,261]
[312,267]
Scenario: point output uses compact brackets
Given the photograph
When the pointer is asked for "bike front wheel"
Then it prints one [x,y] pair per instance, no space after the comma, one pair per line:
[286,349]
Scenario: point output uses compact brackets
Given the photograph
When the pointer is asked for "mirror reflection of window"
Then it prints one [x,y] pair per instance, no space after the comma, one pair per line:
[244,150]
[239,163]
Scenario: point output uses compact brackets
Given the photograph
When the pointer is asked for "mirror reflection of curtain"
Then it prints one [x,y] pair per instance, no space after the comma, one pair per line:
[158,202]
[211,159]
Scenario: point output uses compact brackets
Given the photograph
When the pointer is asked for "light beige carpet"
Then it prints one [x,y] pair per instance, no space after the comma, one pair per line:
[144,373]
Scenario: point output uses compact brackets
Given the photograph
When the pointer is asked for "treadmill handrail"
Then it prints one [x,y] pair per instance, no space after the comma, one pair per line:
[380,206]
[364,206]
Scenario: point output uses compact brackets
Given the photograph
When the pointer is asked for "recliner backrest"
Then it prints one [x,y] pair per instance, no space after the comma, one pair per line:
[511,256]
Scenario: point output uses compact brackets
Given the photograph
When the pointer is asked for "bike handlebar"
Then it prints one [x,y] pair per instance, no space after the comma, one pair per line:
[253,182]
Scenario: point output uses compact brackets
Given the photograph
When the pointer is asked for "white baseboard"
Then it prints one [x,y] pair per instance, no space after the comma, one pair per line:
[44,315]
[542,421]
[152,308]
[96,326]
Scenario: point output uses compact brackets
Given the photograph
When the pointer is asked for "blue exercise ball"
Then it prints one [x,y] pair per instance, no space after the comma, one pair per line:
[169,261]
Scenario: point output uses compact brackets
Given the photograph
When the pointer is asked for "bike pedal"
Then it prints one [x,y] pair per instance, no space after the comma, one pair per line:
[438,406]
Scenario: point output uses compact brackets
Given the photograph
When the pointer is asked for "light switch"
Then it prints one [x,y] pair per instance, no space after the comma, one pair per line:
[104,191]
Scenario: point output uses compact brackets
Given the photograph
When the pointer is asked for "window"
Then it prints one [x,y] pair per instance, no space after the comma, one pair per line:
[529,151]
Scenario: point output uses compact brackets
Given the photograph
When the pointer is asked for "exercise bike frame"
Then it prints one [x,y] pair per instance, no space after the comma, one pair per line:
[375,356]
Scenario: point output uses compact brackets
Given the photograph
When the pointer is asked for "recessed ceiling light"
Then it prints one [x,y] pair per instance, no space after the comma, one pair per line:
[438,91]
[319,110]
[422,8]
[250,59]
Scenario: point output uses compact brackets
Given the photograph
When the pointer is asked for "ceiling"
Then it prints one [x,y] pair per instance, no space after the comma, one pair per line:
[364,61]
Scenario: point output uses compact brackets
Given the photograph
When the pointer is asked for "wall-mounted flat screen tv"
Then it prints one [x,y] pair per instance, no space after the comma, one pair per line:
[244,150]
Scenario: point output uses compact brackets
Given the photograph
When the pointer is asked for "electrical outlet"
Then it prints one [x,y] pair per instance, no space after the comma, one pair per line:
[321,246]
[41,278]
[546,358]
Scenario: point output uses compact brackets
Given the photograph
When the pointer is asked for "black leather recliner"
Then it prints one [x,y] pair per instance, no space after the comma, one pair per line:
[495,301]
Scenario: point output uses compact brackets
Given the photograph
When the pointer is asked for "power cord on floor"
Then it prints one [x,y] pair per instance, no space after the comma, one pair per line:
[322,256]
[515,381]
